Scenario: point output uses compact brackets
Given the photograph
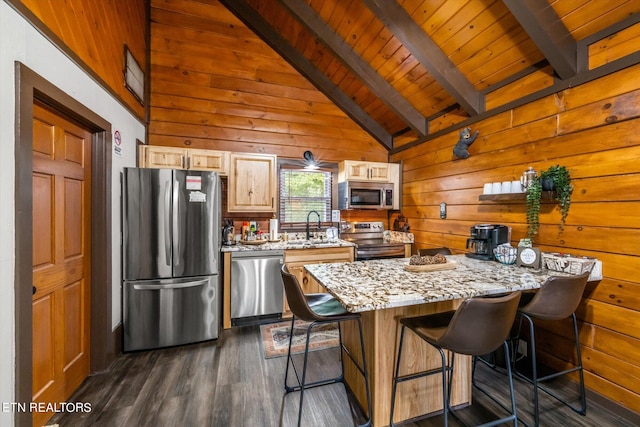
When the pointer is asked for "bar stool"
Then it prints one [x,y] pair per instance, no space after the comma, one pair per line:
[319,309]
[434,251]
[477,327]
[557,299]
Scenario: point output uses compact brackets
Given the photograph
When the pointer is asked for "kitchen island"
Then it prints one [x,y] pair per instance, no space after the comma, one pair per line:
[383,291]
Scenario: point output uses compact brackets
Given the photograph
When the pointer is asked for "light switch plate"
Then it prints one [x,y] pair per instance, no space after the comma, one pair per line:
[443,210]
[335,215]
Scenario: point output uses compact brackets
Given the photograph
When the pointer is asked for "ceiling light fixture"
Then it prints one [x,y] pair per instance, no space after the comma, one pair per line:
[310,162]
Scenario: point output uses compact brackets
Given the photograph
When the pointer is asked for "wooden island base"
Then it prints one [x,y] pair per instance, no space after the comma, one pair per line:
[414,398]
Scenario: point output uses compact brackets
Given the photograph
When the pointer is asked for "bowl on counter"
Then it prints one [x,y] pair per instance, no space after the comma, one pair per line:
[507,258]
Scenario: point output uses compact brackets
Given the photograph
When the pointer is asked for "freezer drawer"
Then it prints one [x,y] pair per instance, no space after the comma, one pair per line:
[168,312]
[256,283]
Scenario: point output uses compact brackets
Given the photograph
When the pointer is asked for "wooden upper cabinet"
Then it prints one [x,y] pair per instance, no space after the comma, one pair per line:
[395,178]
[209,160]
[253,183]
[154,156]
[363,171]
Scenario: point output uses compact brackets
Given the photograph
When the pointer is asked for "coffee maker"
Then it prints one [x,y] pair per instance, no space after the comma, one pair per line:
[484,238]
[228,232]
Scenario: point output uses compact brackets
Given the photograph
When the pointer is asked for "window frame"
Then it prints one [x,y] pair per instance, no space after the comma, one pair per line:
[299,164]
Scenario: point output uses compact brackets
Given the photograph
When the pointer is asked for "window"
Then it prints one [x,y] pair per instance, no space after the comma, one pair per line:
[302,191]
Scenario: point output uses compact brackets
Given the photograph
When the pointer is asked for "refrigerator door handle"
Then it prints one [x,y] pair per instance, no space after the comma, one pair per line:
[167,224]
[176,235]
[157,287]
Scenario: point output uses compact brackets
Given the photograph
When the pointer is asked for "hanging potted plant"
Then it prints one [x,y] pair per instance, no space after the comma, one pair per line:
[555,178]
[534,194]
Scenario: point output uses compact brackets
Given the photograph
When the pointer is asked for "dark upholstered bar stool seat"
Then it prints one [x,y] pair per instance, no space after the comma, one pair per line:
[557,299]
[319,309]
[434,251]
[479,326]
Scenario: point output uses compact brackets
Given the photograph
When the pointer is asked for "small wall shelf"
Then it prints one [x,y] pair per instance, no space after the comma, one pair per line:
[547,196]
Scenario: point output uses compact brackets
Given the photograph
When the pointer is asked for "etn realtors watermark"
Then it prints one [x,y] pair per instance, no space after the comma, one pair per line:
[68,407]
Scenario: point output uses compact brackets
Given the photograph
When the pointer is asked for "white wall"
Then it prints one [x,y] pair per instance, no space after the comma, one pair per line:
[19,41]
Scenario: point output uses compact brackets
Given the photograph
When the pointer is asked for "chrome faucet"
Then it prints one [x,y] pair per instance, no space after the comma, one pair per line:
[308,215]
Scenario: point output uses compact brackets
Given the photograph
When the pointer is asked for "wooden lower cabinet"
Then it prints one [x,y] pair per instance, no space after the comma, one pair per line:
[295,260]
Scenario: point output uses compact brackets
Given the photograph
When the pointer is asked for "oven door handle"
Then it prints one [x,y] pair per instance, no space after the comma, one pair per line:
[377,252]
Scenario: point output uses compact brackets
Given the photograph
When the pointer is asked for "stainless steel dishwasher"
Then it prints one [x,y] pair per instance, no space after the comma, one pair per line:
[257,290]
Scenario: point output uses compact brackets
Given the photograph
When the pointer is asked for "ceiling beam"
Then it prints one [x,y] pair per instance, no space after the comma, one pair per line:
[430,56]
[360,68]
[548,32]
[265,31]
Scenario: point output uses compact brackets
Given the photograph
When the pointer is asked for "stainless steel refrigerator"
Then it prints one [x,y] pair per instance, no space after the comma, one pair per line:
[171,289]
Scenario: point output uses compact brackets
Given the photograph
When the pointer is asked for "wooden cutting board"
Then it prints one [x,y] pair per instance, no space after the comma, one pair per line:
[449,265]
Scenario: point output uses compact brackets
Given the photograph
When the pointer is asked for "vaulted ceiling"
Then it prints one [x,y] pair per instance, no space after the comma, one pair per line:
[405,70]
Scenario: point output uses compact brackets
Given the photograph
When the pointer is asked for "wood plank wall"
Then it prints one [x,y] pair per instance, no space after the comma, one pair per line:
[593,129]
[96,31]
[216,85]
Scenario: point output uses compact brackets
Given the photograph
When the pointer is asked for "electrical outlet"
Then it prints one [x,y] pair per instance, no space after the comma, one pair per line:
[335,215]
[443,210]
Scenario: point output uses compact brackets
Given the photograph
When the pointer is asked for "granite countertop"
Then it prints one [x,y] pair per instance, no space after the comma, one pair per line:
[378,284]
[288,245]
[299,241]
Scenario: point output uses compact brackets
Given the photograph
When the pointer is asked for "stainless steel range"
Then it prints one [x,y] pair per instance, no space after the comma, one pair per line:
[368,237]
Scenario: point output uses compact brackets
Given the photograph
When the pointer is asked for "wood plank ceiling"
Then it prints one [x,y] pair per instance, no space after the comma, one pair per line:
[405,70]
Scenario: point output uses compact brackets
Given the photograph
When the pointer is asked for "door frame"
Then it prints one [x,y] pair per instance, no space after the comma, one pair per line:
[105,345]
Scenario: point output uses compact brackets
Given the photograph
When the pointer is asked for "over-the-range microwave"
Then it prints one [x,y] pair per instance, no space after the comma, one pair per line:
[365,195]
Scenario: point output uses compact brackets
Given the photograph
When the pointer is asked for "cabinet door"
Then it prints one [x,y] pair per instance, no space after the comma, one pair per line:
[154,156]
[357,170]
[253,183]
[366,171]
[209,160]
[307,283]
[379,172]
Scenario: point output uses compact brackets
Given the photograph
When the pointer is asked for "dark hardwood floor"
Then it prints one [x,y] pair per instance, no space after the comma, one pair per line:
[229,383]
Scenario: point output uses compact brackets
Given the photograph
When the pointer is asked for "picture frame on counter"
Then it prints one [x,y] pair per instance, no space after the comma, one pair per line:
[529,257]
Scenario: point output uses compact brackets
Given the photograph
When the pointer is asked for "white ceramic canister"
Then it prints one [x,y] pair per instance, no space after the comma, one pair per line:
[516,187]
[496,188]
[505,187]
[487,188]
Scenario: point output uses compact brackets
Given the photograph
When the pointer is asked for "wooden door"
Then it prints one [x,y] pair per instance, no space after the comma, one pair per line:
[61,258]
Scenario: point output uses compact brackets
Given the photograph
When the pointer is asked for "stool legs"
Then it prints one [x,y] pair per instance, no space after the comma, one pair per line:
[513,417]
[535,380]
[301,380]
[446,372]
